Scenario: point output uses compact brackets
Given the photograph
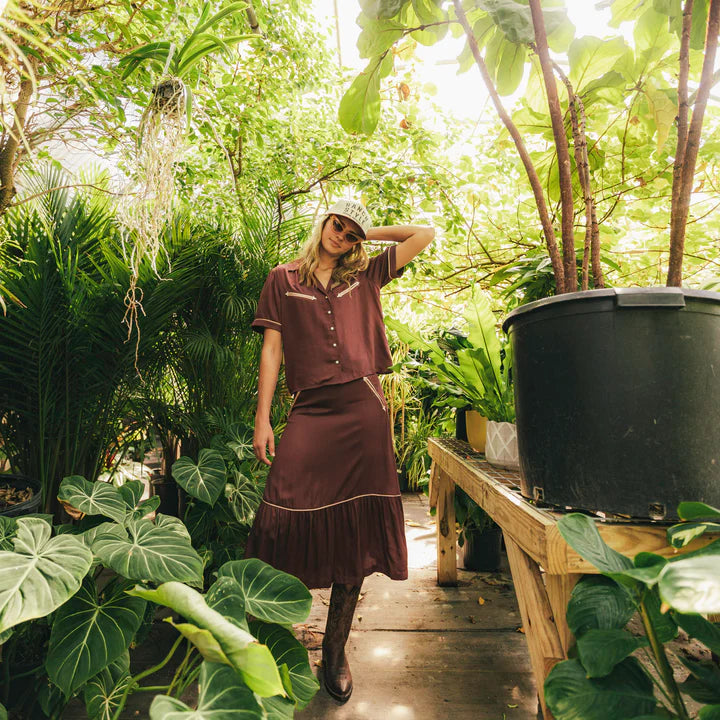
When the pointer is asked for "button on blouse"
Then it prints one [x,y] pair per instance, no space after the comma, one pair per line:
[329,335]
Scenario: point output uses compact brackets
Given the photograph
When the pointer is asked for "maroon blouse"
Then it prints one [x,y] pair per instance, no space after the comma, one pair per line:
[332,335]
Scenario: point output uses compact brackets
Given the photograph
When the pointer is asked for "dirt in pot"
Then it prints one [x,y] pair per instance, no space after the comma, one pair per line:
[10,496]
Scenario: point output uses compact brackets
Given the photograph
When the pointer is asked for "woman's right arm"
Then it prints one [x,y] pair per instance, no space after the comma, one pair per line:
[270,359]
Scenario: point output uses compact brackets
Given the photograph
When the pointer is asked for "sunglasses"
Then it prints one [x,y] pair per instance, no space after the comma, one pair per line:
[339,228]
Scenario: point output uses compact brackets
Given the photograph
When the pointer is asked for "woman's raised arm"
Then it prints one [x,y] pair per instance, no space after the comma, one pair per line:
[413,239]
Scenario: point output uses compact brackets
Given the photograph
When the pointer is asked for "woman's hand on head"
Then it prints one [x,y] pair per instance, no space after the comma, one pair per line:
[263,441]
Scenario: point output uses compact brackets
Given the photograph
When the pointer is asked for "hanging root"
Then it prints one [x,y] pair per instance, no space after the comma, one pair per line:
[133,308]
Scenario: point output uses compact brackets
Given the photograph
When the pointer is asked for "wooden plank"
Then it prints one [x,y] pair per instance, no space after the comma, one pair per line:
[525,523]
[433,487]
[625,538]
[542,636]
[559,588]
[446,532]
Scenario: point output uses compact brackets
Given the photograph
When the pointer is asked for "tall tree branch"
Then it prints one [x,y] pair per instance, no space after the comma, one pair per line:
[680,205]
[582,162]
[535,184]
[563,153]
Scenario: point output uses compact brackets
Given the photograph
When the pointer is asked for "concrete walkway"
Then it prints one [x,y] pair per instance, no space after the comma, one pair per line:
[422,652]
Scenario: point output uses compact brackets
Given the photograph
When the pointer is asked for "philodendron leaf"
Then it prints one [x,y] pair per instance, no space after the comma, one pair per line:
[278,708]
[8,528]
[709,712]
[692,585]
[103,692]
[144,508]
[153,552]
[204,480]
[98,498]
[222,697]
[625,693]
[581,534]
[132,491]
[89,633]
[226,596]
[269,594]
[601,650]
[253,661]
[41,573]
[286,649]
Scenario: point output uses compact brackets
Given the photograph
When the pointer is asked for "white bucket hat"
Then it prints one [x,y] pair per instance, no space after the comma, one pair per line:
[354,211]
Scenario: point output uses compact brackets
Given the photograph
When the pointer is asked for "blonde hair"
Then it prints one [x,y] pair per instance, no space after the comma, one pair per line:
[354,261]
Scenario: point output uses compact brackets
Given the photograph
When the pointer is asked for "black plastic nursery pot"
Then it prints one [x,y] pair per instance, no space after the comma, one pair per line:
[617,396]
[31,505]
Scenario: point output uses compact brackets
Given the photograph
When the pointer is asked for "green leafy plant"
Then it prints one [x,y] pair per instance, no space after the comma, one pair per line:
[604,679]
[469,516]
[479,372]
[586,74]
[86,589]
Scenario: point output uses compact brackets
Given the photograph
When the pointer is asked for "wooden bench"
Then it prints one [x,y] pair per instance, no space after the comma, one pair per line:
[544,568]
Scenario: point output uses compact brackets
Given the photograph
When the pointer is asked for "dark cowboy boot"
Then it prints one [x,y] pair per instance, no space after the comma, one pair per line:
[336,671]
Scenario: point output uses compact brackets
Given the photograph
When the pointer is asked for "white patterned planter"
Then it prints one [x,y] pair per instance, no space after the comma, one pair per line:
[501,448]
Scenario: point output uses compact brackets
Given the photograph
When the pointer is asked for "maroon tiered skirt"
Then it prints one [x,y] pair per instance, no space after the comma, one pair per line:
[332,509]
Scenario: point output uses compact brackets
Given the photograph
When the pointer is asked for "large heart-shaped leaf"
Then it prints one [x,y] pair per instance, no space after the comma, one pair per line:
[132,492]
[222,697]
[103,692]
[88,633]
[204,480]
[98,498]
[144,508]
[156,553]
[41,573]
[226,596]
[692,585]
[286,649]
[625,693]
[218,638]
[269,594]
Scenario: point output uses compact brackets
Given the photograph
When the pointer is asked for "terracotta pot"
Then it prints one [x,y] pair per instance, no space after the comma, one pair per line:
[501,448]
[476,429]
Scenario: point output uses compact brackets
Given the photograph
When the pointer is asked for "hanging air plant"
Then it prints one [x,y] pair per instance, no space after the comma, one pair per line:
[147,208]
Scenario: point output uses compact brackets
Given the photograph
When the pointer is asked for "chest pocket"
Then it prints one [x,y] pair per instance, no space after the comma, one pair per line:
[348,289]
[300,295]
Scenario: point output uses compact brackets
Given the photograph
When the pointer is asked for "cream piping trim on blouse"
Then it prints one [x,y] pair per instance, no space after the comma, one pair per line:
[323,507]
[275,322]
[348,289]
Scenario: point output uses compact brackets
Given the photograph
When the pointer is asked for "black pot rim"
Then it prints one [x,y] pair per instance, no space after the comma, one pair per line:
[660,296]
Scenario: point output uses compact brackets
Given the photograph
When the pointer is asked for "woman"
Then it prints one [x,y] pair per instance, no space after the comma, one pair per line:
[332,511]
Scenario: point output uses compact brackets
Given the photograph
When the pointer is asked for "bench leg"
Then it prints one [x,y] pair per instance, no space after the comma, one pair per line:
[559,588]
[443,491]
[542,636]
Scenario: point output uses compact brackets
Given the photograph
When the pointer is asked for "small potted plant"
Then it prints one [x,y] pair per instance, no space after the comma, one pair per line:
[474,371]
[479,536]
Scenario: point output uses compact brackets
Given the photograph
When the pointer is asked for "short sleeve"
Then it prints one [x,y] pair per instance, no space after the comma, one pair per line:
[269,308]
[383,266]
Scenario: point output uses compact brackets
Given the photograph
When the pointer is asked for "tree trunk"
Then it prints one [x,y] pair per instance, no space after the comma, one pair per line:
[9,151]
[686,154]
[535,184]
[561,145]
[592,232]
